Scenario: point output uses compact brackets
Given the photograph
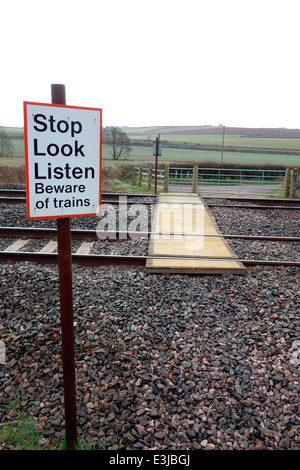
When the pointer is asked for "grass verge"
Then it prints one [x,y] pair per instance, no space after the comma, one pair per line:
[24,433]
[126,187]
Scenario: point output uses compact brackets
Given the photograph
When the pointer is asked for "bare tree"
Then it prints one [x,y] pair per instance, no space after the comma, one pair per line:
[118,142]
[6,148]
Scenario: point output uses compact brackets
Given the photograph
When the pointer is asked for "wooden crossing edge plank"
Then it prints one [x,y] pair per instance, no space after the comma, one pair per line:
[197,270]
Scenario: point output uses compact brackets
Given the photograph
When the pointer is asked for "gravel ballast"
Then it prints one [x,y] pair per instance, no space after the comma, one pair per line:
[167,362]
[163,362]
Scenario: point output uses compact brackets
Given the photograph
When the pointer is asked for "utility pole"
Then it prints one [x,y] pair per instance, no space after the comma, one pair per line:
[223,143]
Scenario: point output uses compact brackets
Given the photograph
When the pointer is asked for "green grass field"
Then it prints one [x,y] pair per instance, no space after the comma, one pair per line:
[144,155]
[249,138]
[229,140]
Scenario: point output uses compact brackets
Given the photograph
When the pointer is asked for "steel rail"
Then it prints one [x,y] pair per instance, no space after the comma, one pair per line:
[239,206]
[106,195]
[120,260]
[12,200]
[224,206]
[20,194]
[85,259]
[29,232]
[80,234]
[255,200]
[132,235]
[22,200]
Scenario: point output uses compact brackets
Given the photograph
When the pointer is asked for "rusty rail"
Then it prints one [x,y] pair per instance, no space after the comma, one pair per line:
[79,234]
[116,260]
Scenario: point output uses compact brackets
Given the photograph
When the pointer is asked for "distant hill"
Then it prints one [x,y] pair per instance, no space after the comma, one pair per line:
[14,132]
[214,130]
[257,132]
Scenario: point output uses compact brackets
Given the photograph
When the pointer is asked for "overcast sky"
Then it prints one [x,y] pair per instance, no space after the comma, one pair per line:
[158,62]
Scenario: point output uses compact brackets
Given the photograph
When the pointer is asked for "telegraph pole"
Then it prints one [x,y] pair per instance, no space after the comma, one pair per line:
[223,143]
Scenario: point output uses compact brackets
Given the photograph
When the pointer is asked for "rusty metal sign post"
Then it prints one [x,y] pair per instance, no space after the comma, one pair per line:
[58,96]
[52,132]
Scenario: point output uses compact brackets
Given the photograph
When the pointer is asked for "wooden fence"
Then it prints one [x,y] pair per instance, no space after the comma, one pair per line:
[146,177]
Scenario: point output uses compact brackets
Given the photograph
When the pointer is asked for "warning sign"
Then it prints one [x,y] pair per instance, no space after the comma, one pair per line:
[63,160]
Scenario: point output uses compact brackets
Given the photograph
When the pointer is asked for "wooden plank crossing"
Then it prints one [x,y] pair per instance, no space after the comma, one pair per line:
[186,239]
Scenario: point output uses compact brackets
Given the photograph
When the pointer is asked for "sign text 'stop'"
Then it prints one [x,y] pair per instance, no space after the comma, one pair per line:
[43,124]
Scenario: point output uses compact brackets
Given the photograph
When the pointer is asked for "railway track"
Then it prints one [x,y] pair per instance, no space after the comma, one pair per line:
[46,255]
[18,196]
[21,194]
[84,239]
[117,260]
[77,234]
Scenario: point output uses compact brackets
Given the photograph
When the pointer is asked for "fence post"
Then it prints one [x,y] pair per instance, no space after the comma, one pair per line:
[149,178]
[166,178]
[287,183]
[133,177]
[139,176]
[195,179]
[297,180]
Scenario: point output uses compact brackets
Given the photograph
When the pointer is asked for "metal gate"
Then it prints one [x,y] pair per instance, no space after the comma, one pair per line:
[228,181]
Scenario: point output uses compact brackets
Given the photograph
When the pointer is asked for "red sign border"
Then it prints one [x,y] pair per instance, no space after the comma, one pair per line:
[25,104]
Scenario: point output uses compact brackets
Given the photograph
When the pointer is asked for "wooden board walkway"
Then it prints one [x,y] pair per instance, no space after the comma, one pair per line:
[186,239]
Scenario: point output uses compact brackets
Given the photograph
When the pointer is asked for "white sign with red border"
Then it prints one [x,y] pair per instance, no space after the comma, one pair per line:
[63,147]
